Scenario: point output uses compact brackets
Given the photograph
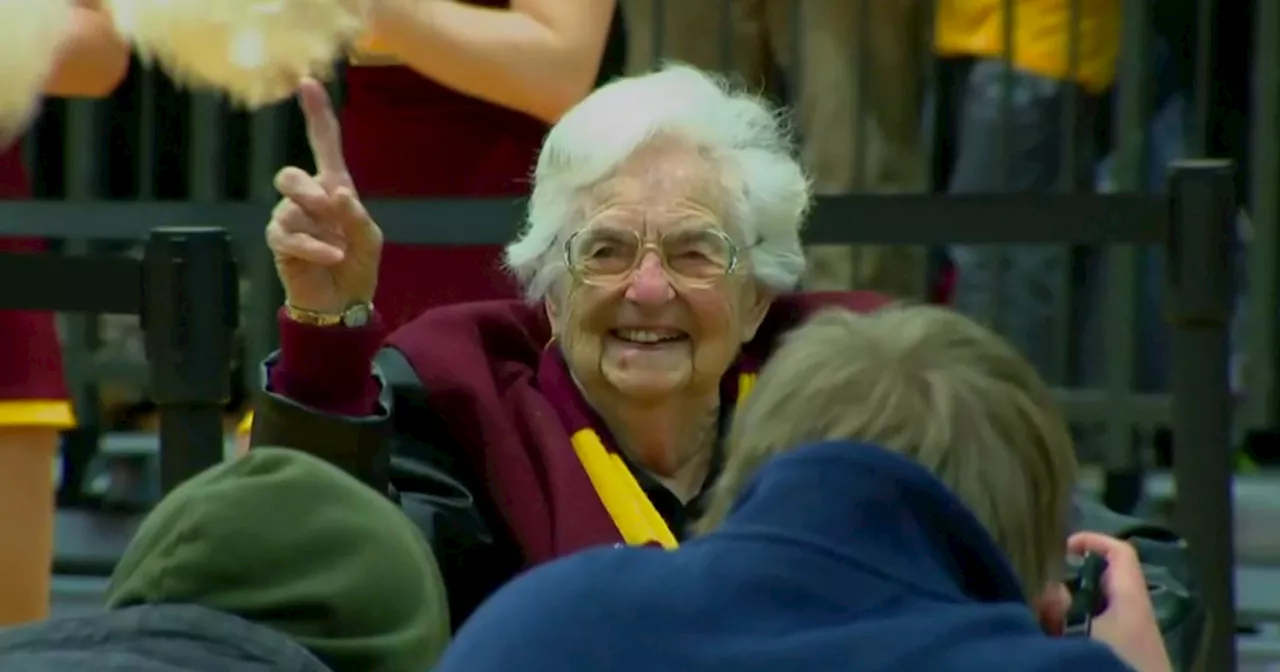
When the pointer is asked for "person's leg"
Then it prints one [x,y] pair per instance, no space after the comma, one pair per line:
[819,74]
[26,522]
[1016,289]
[33,411]
[857,136]
[896,75]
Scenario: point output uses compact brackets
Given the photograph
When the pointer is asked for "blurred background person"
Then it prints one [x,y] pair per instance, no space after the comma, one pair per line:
[34,406]
[1019,290]
[452,99]
[854,72]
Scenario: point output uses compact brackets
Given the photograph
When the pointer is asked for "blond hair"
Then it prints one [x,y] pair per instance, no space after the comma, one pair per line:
[935,386]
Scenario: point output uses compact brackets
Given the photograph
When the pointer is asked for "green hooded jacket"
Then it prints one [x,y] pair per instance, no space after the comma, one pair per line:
[290,542]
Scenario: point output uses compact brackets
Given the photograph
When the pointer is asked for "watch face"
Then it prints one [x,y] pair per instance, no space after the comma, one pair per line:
[357,316]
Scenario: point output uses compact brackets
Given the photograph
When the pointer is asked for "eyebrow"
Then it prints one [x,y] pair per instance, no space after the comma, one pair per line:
[700,219]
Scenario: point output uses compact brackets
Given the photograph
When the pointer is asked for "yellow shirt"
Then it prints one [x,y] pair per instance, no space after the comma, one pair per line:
[1041,31]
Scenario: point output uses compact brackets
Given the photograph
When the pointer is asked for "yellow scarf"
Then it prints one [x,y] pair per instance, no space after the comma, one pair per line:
[628,506]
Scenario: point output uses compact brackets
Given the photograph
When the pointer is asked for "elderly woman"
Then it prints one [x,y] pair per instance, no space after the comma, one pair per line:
[663,231]
[663,237]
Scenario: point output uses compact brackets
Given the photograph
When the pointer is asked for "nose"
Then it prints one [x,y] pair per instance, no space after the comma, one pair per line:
[650,284]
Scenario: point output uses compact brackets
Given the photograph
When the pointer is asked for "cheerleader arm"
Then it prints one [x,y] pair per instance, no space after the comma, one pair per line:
[93,58]
[539,57]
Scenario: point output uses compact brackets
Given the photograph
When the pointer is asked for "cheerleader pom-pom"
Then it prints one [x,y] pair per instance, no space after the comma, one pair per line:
[254,51]
[30,33]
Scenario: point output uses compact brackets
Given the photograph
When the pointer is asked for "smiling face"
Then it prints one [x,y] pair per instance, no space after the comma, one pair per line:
[667,325]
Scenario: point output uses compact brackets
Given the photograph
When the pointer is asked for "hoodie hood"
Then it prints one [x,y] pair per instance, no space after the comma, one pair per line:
[290,542]
[839,556]
[909,525]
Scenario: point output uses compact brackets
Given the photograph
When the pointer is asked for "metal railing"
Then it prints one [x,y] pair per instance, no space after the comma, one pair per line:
[85,149]
[184,289]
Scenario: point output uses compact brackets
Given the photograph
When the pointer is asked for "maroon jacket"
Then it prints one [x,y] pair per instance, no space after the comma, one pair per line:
[460,427]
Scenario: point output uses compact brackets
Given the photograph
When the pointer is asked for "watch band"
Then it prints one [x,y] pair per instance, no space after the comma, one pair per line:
[356,315]
[312,317]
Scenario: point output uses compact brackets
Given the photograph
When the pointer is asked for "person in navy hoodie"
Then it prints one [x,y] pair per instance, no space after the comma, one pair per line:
[896,496]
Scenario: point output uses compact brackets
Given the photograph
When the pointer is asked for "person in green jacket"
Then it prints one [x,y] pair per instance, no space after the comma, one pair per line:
[272,561]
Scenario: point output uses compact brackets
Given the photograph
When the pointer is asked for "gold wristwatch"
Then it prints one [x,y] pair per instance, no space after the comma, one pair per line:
[356,315]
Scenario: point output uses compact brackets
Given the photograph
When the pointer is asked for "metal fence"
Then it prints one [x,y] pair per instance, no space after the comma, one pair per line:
[151,145]
[184,290]
[111,171]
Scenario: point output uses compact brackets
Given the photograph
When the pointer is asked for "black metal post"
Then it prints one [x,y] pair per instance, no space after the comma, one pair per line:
[189,314]
[1203,205]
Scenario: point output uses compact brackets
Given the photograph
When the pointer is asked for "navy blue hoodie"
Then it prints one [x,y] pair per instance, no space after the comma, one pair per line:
[838,557]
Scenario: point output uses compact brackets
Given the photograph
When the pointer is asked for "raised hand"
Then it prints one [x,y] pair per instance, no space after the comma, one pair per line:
[325,244]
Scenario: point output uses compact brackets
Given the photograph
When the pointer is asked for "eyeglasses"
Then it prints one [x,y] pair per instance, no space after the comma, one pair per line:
[602,255]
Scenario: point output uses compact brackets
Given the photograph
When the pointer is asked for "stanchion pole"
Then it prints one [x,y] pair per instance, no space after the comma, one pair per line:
[189,312]
[1200,292]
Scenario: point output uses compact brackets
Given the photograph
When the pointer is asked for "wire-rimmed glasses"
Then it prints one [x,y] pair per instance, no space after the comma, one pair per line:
[605,255]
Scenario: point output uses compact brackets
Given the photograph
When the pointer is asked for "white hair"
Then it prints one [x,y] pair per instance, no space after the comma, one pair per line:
[768,192]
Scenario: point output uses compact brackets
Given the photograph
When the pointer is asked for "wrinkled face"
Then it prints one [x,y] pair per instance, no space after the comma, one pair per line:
[654,308]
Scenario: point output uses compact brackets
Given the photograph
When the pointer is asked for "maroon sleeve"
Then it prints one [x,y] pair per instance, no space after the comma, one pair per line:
[328,369]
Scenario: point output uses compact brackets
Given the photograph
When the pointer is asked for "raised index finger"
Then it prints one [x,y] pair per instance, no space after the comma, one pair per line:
[323,132]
